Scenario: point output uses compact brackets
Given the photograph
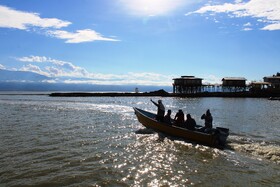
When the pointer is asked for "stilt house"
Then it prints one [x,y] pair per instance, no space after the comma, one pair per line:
[187,84]
[234,84]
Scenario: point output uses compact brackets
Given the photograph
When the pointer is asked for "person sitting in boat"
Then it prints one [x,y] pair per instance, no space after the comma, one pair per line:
[190,122]
[208,121]
[167,117]
[179,118]
[160,110]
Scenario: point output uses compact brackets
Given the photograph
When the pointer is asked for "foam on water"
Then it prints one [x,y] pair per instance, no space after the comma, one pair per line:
[260,150]
[254,147]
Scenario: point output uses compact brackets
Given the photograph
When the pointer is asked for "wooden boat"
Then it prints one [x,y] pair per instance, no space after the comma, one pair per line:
[215,138]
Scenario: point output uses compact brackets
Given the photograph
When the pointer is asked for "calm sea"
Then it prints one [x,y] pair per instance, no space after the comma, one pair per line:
[90,141]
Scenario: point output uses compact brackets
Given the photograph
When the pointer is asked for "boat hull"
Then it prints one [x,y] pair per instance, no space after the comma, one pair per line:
[215,139]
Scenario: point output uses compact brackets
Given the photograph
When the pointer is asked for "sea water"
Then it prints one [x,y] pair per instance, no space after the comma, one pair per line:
[91,141]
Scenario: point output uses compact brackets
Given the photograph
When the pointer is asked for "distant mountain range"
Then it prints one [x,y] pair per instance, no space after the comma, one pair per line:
[21,76]
[29,81]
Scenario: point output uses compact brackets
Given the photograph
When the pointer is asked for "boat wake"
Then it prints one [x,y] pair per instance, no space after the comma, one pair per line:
[259,149]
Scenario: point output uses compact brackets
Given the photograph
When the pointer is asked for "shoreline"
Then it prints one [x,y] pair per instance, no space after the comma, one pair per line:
[166,94]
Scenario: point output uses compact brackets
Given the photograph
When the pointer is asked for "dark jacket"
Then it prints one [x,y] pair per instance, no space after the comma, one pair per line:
[190,123]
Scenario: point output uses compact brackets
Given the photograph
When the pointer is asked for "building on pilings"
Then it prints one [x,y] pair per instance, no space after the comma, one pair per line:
[259,86]
[187,84]
[273,80]
[234,84]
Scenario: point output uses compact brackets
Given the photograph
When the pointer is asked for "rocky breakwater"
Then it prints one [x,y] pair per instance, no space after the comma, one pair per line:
[161,93]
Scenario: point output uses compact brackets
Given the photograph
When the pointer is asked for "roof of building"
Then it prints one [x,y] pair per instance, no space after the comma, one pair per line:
[272,77]
[234,79]
[188,78]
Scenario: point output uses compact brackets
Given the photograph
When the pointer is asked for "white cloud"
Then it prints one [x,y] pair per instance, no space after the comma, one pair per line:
[247,24]
[42,59]
[33,68]
[2,67]
[271,27]
[58,68]
[247,29]
[32,58]
[79,36]
[10,18]
[266,10]
[152,7]
[54,71]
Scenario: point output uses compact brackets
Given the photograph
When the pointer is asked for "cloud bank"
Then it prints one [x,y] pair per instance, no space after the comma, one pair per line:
[15,19]
[66,72]
[265,11]
[74,74]
[52,67]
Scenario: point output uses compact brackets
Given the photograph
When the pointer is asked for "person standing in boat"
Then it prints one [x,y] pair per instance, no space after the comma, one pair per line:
[179,118]
[208,121]
[160,110]
[190,122]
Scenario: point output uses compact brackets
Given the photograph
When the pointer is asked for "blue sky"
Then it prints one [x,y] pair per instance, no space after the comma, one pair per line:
[145,42]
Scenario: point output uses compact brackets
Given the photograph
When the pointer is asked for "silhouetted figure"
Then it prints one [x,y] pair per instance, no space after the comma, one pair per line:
[190,122]
[208,121]
[179,118]
[167,117]
[160,110]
